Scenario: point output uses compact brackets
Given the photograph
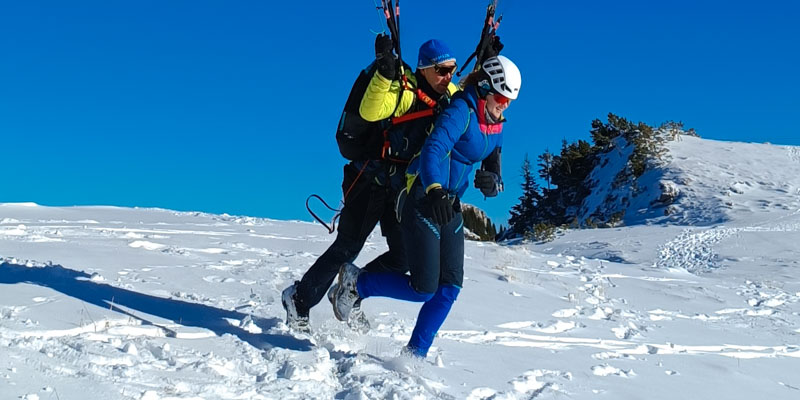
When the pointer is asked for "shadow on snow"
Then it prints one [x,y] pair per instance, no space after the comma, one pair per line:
[77,284]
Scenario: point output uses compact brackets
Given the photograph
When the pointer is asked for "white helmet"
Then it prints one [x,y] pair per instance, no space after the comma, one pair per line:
[504,75]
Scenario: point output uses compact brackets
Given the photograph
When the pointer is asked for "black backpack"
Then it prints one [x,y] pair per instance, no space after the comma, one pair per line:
[388,139]
[359,139]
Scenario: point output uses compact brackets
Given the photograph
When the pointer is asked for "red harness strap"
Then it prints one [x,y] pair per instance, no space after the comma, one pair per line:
[421,96]
[412,116]
[386,150]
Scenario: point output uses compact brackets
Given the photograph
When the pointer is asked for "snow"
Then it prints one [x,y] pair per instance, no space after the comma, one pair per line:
[121,303]
[692,187]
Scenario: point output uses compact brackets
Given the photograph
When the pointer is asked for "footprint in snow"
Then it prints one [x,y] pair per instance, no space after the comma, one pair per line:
[608,370]
[530,385]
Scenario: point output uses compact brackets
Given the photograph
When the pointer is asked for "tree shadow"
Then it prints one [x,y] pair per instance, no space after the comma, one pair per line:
[77,284]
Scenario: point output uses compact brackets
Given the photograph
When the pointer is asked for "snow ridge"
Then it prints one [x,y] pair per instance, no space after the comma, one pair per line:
[698,183]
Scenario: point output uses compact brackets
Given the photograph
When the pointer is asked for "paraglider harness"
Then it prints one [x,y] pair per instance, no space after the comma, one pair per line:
[364,141]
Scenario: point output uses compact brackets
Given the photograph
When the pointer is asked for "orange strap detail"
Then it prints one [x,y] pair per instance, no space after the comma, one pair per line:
[426,99]
[412,116]
[355,180]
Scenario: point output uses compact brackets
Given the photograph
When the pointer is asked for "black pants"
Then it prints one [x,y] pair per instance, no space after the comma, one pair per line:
[366,204]
[435,253]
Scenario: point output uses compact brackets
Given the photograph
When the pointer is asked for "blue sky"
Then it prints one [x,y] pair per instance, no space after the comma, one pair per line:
[231,106]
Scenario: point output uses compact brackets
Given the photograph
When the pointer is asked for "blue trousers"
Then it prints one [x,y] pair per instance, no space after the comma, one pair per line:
[435,257]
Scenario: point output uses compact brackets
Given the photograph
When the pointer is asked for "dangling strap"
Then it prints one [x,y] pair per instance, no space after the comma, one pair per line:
[332,226]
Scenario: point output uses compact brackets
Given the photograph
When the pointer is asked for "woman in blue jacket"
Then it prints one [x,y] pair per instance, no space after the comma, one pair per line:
[469,131]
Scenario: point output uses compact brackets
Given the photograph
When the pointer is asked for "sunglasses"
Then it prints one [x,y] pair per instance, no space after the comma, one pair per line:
[500,99]
[443,71]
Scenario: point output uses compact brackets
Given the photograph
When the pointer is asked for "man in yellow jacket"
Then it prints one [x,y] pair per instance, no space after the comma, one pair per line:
[371,185]
[435,69]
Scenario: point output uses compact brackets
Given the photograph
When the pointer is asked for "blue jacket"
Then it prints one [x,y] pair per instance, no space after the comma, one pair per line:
[460,138]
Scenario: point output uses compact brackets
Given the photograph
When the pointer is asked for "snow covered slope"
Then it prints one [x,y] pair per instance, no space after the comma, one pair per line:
[117,303]
[702,182]
[727,181]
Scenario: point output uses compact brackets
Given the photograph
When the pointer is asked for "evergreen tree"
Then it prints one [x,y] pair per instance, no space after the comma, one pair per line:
[524,215]
[501,233]
[647,144]
[567,172]
[602,134]
[545,166]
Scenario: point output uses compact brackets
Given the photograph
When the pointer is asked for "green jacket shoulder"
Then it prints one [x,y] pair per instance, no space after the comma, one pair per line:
[381,97]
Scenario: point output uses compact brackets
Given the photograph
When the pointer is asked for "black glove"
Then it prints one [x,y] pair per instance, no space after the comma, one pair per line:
[385,60]
[440,209]
[488,182]
[492,49]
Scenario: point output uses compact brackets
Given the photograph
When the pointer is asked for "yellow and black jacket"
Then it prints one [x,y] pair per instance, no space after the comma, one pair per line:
[386,101]
[380,100]
[410,106]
